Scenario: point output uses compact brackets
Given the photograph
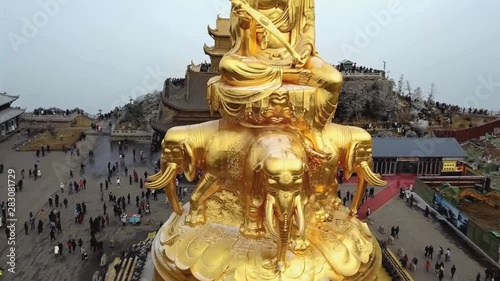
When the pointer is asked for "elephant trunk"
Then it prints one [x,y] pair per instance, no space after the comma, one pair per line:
[280,212]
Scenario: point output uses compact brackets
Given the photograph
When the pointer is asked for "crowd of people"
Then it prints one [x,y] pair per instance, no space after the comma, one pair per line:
[447,108]
[57,111]
[57,202]
[178,82]
[353,68]
[205,67]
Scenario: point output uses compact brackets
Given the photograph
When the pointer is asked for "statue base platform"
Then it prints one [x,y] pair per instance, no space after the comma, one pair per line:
[341,248]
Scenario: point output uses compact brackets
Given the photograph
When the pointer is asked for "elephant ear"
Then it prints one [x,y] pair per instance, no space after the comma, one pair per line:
[189,160]
[350,159]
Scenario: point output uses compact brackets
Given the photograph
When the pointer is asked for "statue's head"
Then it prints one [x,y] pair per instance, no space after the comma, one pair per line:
[284,173]
[284,180]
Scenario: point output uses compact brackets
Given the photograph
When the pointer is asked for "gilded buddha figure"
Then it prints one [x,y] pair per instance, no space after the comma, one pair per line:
[266,206]
[264,57]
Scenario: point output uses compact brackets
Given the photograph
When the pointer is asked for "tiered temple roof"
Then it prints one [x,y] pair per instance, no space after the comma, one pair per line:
[7,99]
[188,100]
[6,112]
[222,45]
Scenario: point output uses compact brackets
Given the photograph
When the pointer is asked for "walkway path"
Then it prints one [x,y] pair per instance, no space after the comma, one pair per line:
[383,195]
[416,232]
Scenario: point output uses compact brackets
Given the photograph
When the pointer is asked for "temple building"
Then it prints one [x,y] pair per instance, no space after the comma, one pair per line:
[418,156]
[222,43]
[9,116]
[184,100]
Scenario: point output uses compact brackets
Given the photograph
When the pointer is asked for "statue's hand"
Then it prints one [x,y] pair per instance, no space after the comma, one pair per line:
[305,53]
[243,15]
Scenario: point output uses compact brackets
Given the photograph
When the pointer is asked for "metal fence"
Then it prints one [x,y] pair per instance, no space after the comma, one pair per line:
[467,134]
[481,237]
[424,191]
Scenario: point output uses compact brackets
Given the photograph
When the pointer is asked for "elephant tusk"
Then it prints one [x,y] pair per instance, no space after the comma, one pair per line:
[167,176]
[299,215]
[155,176]
[350,159]
[189,160]
[270,214]
[163,166]
[370,176]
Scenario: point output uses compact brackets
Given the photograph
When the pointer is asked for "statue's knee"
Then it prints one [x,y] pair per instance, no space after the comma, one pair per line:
[334,79]
[226,65]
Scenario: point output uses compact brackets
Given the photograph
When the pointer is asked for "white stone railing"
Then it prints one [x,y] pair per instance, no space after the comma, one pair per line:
[131,133]
[48,117]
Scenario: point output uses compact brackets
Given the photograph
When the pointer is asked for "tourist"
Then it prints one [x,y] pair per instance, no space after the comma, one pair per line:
[118,182]
[441,275]
[440,252]
[60,245]
[32,221]
[52,235]
[56,251]
[453,271]
[413,266]
[447,255]
[437,266]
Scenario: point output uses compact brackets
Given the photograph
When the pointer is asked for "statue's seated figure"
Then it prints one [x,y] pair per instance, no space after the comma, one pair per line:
[272,74]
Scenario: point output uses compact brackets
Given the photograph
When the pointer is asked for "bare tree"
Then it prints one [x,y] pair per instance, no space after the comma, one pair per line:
[432,93]
[407,90]
[400,89]
[403,115]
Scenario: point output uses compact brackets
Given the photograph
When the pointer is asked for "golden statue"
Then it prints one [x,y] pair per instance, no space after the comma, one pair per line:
[271,56]
[266,206]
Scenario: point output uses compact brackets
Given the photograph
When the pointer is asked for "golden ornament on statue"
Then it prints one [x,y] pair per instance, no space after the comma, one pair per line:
[266,206]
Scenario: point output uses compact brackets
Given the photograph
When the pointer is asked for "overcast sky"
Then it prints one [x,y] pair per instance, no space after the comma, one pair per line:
[96,54]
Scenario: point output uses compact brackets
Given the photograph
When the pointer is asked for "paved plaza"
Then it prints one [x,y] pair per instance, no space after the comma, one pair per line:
[417,232]
[35,253]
